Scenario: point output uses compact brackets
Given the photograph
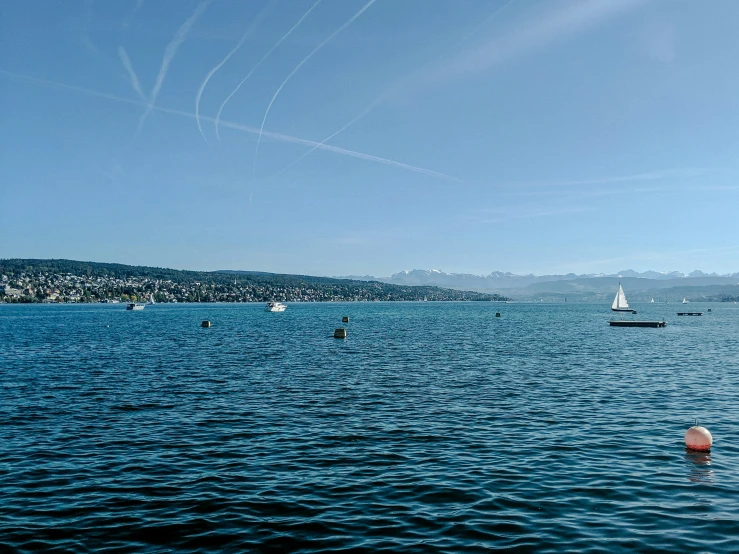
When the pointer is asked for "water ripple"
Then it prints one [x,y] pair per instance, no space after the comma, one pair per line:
[432,428]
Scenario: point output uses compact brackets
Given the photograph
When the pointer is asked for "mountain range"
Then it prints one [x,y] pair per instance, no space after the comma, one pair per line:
[596,287]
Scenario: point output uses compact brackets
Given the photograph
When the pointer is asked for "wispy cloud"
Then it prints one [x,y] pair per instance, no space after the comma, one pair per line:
[131,73]
[398,85]
[243,128]
[169,54]
[657,175]
[235,49]
[253,69]
[495,13]
[294,71]
[136,8]
[509,213]
[573,18]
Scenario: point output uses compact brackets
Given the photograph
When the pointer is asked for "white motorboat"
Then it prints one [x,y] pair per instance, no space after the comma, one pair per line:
[135,307]
[275,307]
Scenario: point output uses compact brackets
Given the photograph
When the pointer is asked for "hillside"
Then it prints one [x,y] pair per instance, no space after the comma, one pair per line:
[642,286]
[33,280]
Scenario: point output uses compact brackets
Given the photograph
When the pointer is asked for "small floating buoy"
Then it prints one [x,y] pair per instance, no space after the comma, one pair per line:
[698,438]
[340,333]
[345,319]
[205,323]
[709,309]
[497,314]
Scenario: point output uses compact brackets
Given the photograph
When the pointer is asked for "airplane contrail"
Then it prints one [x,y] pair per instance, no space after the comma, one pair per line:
[218,115]
[169,54]
[316,49]
[484,22]
[237,126]
[212,72]
[390,89]
[368,109]
[137,7]
[131,73]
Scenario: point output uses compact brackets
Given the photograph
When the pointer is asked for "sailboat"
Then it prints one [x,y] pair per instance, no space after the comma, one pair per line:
[151,299]
[619,303]
[685,300]
[651,301]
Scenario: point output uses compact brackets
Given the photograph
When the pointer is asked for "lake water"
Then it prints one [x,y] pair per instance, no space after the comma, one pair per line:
[434,427]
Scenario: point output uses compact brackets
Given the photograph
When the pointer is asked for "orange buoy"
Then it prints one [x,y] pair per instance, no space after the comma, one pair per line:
[698,438]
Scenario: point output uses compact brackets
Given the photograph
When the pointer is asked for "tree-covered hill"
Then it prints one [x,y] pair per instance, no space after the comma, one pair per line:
[60,280]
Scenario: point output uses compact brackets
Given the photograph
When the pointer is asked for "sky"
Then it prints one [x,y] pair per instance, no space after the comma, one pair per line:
[365,137]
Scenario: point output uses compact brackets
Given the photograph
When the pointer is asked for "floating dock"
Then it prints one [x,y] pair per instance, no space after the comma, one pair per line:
[689,313]
[626,323]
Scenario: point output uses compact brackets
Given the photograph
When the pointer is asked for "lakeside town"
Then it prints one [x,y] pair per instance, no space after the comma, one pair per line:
[101,283]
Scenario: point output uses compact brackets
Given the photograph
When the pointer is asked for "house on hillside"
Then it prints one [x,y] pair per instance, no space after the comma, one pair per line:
[10,292]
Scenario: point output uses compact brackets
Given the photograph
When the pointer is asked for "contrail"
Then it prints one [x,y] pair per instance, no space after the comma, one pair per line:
[218,116]
[316,49]
[244,128]
[483,23]
[169,54]
[364,112]
[212,72]
[387,93]
[131,73]
[137,7]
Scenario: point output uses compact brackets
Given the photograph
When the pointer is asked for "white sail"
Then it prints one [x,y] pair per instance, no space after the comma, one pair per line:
[619,303]
[151,299]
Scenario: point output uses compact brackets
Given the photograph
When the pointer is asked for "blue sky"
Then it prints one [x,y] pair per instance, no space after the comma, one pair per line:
[468,135]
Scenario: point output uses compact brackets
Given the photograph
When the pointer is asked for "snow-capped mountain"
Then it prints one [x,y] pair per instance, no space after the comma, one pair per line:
[569,283]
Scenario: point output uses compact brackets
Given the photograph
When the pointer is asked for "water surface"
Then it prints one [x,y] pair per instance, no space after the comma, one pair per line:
[434,427]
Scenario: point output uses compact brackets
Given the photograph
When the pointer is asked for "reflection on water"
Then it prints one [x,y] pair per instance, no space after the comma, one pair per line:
[699,464]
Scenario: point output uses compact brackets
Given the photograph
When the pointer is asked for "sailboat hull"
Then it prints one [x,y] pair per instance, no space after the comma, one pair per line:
[629,310]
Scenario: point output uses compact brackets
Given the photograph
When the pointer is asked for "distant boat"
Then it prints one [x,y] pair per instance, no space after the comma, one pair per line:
[619,303]
[651,301]
[685,300]
[275,307]
[136,307]
[151,300]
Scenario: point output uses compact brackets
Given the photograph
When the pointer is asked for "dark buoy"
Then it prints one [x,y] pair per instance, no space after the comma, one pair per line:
[709,309]
[345,319]
[497,314]
[205,323]
[340,333]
